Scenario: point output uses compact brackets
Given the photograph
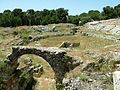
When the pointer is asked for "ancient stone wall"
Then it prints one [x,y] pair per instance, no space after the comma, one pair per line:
[57,58]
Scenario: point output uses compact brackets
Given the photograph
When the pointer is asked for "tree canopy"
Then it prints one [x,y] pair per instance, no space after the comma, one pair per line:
[18,17]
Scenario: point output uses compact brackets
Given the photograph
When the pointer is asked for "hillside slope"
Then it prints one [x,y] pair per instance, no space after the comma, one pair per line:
[111,26]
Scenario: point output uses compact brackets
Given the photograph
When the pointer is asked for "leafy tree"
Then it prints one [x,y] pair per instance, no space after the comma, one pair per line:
[82,15]
[25,20]
[17,12]
[117,9]
[30,16]
[6,19]
[94,14]
[109,12]
[37,18]
[84,18]
[61,14]
[16,21]
[53,16]
[7,11]
[0,19]
[46,12]
[74,19]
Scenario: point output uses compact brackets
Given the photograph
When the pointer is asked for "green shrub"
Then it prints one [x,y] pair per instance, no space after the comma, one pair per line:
[83,77]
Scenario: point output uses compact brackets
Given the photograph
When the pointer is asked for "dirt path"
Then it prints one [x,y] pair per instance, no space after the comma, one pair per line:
[45,84]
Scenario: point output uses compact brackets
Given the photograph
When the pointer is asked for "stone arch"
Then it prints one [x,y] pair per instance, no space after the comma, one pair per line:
[59,62]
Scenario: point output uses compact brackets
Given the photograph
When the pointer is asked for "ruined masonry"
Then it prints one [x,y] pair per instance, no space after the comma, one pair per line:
[57,58]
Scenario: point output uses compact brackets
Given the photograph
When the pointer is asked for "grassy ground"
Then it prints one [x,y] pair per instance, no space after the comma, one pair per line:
[46,80]
[86,42]
[8,39]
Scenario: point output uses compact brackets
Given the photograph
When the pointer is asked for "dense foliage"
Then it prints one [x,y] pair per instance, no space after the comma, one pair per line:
[92,15]
[17,17]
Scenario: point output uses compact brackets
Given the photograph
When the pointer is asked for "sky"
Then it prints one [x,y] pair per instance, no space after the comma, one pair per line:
[75,7]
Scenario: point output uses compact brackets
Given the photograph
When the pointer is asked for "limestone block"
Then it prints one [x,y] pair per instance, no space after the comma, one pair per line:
[116,80]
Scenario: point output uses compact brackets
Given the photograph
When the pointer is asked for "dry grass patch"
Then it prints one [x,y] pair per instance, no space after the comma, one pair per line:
[86,42]
[48,72]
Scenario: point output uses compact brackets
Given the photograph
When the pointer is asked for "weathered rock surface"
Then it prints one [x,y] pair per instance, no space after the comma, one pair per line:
[101,25]
[73,84]
[90,81]
[116,80]
[57,58]
[44,28]
[110,58]
[100,81]
[69,45]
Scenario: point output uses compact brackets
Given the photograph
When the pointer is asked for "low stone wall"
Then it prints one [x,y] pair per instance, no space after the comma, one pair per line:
[39,37]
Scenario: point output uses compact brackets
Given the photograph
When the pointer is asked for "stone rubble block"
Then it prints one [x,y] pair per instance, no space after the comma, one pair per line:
[116,80]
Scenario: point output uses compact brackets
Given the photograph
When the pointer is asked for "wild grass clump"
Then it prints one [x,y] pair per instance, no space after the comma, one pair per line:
[83,77]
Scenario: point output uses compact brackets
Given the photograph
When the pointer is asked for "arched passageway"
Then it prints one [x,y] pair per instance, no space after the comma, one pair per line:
[57,59]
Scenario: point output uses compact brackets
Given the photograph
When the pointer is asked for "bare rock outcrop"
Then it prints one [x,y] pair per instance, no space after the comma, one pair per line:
[101,25]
